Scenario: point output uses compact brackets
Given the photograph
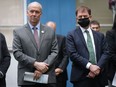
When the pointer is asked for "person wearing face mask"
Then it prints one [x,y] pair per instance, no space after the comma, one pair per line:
[88,52]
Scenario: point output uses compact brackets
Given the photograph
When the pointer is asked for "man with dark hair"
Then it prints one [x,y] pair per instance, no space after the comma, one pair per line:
[111,39]
[88,52]
[95,25]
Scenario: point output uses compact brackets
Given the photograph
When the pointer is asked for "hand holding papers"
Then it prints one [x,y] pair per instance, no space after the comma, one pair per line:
[28,76]
[37,74]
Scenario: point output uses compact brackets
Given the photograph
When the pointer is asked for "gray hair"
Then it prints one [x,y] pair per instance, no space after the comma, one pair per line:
[35,3]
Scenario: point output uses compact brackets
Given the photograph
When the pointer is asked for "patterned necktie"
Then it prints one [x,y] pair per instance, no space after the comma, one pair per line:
[36,36]
[90,48]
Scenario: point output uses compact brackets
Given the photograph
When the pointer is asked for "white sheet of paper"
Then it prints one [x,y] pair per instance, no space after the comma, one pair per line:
[114,80]
[28,76]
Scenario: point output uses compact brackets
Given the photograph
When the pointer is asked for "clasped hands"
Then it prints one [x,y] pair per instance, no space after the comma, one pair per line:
[94,71]
[41,67]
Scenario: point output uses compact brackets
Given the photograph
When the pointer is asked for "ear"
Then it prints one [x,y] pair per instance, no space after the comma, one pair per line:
[27,12]
[76,18]
[90,17]
[41,13]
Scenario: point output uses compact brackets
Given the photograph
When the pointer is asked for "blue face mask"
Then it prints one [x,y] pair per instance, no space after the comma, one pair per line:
[84,22]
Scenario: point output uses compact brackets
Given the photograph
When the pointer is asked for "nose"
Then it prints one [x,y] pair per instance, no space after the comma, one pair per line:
[34,13]
[82,17]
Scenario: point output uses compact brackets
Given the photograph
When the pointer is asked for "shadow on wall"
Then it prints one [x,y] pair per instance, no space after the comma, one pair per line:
[11,76]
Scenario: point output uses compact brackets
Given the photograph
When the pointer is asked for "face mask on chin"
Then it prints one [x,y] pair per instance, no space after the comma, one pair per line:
[84,22]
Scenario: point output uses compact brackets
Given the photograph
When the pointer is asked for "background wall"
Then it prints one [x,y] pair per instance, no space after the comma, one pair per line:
[11,76]
[13,15]
[100,12]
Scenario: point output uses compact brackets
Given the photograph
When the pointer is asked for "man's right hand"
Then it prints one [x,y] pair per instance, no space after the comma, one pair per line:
[41,66]
[37,74]
[94,69]
[91,75]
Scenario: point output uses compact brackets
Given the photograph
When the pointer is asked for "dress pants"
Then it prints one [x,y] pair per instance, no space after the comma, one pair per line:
[88,82]
[2,82]
[60,83]
[40,85]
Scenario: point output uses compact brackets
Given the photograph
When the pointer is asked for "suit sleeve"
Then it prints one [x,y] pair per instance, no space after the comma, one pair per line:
[19,55]
[110,36]
[65,58]
[75,57]
[5,56]
[104,52]
[54,51]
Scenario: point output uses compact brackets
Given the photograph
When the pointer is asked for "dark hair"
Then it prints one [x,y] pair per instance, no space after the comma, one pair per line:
[95,22]
[83,8]
[114,24]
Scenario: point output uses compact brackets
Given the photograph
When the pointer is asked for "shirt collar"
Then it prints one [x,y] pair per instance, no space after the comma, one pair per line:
[37,26]
[83,29]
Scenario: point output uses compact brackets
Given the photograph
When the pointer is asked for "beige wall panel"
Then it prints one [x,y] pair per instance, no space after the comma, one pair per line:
[11,16]
[11,12]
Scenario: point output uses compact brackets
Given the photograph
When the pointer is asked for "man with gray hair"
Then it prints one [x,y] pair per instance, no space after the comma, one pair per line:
[35,48]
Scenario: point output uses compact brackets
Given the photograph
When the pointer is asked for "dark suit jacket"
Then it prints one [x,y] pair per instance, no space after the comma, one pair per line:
[26,52]
[79,54]
[62,59]
[4,59]
[111,39]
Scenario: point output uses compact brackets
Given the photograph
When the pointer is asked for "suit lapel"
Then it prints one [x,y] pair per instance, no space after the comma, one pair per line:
[81,36]
[42,34]
[95,42]
[30,34]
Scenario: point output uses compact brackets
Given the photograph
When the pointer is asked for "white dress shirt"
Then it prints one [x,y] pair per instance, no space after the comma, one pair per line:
[92,38]
[37,26]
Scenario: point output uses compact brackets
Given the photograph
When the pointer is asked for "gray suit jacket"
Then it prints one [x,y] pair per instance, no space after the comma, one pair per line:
[26,52]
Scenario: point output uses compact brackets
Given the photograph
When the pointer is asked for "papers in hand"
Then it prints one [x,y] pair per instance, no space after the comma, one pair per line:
[28,76]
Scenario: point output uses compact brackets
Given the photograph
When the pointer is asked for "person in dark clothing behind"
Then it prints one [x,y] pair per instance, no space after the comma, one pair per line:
[88,52]
[62,59]
[4,60]
[111,39]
